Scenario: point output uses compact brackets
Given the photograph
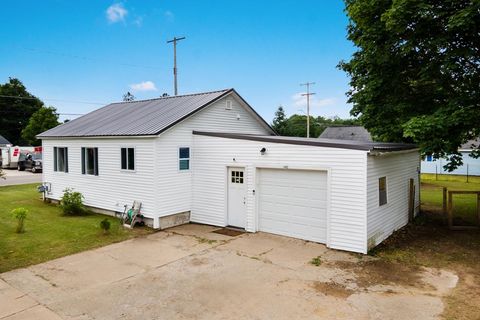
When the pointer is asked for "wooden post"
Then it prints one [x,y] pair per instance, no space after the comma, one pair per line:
[478,208]
[444,203]
[450,213]
[411,200]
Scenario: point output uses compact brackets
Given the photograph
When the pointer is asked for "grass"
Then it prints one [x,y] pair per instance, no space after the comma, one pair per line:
[428,242]
[48,234]
[464,206]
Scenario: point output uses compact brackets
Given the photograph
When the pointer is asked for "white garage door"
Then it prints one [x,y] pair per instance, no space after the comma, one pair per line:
[293,203]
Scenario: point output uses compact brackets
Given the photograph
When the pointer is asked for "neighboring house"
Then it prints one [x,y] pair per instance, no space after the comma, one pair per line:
[210,158]
[471,166]
[4,142]
[356,133]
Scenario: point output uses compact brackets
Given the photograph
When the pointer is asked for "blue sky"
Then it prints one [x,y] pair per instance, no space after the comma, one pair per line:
[68,52]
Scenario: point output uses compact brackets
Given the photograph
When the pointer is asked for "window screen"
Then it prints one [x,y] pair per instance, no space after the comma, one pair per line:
[128,158]
[60,159]
[184,158]
[90,161]
[382,190]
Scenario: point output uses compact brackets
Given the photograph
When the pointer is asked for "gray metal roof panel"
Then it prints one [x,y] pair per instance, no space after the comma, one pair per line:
[332,143]
[135,118]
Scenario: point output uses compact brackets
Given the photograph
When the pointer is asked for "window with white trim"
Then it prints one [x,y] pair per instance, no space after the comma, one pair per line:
[60,159]
[184,158]
[90,161]
[127,156]
[382,191]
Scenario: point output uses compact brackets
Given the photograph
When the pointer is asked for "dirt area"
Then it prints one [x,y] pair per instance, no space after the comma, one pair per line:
[428,243]
[190,272]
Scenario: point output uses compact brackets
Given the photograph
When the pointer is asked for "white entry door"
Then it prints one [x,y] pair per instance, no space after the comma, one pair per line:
[237,197]
[293,203]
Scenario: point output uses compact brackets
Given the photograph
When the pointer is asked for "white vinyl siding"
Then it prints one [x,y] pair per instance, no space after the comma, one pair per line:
[347,182]
[175,185]
[398,168]
[112,188]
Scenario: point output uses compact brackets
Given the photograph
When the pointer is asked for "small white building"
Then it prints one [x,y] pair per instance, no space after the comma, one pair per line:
[210,158]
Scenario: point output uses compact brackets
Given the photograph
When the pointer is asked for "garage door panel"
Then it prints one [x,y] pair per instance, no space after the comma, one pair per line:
[293,203]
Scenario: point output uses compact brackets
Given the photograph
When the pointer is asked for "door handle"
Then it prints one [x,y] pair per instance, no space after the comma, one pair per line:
[244,200]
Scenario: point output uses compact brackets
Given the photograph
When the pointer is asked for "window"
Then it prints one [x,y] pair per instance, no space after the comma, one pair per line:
[228,105]
[237,177]
[382,191]
[128,158]
[60,159]
[90,161]
[184,158]
[429,158]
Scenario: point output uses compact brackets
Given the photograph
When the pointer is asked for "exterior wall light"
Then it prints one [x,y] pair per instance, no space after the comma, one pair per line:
[262,151]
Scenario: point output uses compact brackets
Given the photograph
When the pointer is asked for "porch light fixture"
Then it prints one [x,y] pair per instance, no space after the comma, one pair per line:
[262,151]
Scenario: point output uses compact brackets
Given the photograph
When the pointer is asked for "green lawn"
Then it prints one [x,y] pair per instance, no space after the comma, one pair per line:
[464,206]
[49,234]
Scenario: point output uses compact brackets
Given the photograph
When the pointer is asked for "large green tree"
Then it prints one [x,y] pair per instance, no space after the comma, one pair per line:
[43,119]
[16,107]
[415,76]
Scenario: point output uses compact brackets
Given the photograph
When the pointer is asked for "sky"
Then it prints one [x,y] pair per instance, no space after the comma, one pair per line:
[78,56]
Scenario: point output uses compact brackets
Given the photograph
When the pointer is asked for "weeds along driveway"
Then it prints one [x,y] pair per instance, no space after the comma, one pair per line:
[189,272]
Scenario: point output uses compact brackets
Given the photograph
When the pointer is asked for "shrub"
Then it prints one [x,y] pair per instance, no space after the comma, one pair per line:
[72,203]
[317,261]
[105,225]
[20,214]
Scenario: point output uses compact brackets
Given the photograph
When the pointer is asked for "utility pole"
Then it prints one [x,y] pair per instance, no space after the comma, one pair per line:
[174,40]
[308,94]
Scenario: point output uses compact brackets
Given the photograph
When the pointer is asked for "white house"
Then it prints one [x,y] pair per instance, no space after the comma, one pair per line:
[471,166]
[210,158]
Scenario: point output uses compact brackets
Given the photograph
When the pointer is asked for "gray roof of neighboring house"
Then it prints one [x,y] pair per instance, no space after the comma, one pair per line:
[319,142]
[356,133]
[468,145]
[4,141]
[139,118]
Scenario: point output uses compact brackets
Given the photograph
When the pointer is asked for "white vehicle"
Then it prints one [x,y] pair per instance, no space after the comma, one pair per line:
[9,155]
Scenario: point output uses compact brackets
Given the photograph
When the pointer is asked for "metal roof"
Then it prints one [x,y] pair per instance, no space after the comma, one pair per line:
[469,144]
[3,141]
[139,118]
[357,133]
[331,143]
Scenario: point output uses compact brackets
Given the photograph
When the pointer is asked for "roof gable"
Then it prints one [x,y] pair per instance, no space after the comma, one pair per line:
[139,118]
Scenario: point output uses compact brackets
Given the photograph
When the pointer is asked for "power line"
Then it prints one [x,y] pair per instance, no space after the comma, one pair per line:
[308,94]
[57,100]
[74,56]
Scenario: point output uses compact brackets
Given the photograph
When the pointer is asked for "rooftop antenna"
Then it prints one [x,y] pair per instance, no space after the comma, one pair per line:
[175,40]
[308,94]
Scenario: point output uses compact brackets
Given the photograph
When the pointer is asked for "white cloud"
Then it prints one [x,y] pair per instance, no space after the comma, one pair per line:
[116,13]
[300,102]
[169,15]
[144,86]
[138,21]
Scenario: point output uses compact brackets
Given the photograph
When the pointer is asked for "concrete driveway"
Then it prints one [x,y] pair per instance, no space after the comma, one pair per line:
[14,177]
[189,272]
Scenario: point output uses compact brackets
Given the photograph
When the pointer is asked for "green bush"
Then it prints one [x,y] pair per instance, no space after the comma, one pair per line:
[72,203]
[105,225]
[20,214]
